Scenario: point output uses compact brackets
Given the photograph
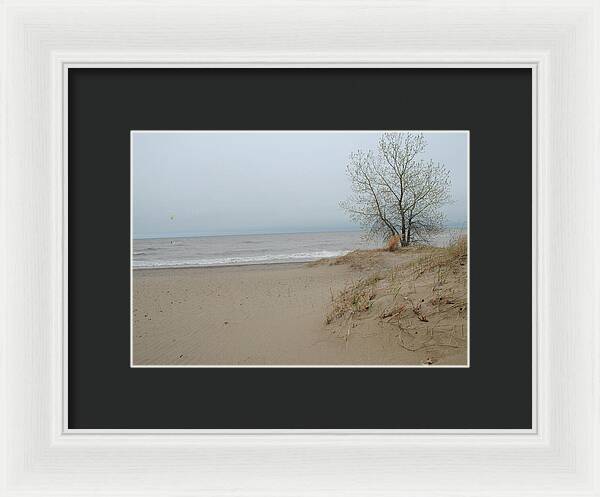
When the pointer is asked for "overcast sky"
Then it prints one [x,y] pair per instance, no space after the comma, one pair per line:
[188,184]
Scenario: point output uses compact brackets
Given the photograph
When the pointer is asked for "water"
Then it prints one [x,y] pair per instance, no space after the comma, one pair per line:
[248,249]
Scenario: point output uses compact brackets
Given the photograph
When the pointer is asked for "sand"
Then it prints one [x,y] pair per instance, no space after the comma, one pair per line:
[275,314]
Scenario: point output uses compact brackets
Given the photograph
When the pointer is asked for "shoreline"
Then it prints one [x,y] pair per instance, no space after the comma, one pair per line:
[247,264]
[189,255]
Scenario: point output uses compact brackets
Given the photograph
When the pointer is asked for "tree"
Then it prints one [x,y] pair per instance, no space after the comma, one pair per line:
[395,191]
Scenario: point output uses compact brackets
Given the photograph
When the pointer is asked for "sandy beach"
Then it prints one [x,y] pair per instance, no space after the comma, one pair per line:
[372,308]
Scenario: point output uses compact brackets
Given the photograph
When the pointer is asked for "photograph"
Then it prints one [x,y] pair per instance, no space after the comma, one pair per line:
[300,248]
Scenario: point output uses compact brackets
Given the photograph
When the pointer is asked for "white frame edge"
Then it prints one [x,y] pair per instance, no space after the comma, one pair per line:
[559,458]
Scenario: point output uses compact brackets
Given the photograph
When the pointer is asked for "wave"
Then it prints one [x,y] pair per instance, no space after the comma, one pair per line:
[237,261]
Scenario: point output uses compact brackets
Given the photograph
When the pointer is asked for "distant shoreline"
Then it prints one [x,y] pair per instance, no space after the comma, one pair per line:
[273,233]
[255,250]
[217,266]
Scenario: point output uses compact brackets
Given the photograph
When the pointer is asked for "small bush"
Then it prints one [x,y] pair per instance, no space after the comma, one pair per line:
[392,244]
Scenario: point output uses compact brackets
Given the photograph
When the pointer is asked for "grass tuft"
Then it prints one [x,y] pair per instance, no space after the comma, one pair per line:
[354,299]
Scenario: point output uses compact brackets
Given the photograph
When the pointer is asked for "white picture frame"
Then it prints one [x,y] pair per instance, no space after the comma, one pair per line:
[558,39]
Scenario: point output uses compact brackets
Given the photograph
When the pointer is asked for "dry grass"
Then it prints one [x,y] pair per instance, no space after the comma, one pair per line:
[393,312]
[422,298]
[442,259]
[354,299]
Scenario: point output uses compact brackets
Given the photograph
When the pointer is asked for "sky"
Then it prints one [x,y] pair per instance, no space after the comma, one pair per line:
[220,183]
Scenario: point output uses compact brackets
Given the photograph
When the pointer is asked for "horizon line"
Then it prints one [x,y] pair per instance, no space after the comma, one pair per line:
[194,235]
[462,225]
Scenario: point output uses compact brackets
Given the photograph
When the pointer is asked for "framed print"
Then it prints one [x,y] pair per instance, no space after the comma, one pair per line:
[329,249]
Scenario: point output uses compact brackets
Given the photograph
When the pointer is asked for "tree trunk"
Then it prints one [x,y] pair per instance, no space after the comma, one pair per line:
[403,241]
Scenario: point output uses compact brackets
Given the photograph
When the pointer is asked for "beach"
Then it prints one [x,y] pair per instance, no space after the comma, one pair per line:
[293,314]
[350,251]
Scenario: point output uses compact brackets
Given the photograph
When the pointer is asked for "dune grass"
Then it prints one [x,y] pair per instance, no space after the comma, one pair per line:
[417,292]
[447,257]
[354,299]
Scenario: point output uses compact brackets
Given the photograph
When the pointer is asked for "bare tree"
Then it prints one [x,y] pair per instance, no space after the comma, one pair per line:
[395,191]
